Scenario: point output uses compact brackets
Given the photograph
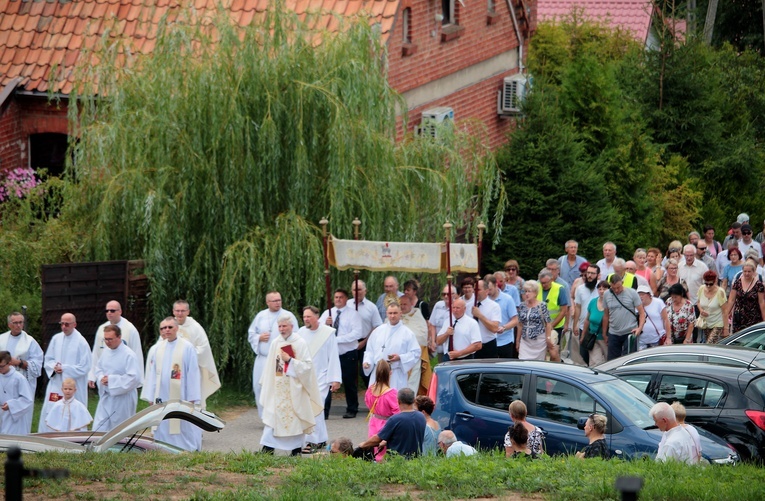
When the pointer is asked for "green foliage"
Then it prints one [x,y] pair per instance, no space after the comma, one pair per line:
[215,158]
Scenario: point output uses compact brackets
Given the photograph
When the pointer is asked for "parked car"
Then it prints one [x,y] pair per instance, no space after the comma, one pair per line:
[472,399]
[128,436]
[735,356]
[724,400]
[751,337]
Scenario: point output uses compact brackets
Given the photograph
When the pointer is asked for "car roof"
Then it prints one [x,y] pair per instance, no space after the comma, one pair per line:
[577,372]
[740,354]
[721,372]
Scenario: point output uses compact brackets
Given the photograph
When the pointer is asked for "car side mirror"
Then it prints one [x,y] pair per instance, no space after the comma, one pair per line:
[581,422]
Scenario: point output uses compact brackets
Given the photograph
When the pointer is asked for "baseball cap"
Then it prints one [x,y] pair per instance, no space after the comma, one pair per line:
[644,288]
[743,218]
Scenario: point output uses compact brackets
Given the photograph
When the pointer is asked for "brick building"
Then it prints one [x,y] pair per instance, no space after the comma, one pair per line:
[450,59]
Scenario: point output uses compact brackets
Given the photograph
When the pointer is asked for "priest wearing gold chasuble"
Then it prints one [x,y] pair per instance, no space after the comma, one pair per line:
[289,392]
[172,373]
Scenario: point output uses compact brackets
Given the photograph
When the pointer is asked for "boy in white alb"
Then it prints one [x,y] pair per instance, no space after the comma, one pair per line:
[68,414]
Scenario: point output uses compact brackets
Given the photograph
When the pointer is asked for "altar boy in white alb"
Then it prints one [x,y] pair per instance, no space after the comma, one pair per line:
[68,413]
[172,373]
[322,346]
[68,356]
[396,343]
[118,376]
[16,398]
[26,357]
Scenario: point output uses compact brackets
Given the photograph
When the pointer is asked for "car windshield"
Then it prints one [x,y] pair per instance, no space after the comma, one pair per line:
[628,399]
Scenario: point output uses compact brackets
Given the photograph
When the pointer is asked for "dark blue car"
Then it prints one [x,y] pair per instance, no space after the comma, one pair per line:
[472,398]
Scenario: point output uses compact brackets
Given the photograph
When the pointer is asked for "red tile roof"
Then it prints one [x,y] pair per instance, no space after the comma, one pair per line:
[633,15]
[37,35]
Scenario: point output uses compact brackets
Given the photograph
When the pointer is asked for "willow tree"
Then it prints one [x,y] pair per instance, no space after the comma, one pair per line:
[214,159]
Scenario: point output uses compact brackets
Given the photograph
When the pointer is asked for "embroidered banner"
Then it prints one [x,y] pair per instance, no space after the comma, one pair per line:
[401,256]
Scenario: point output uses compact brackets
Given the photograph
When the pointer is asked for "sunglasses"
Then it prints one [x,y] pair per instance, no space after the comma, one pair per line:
[709,284]
[511,268]
[65,324]
[746,232]
[112,311]
[165,327]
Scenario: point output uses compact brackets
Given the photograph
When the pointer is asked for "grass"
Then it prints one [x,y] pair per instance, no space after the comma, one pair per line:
[253,476]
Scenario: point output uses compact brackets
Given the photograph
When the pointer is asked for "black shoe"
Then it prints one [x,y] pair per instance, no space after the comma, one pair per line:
[349,415]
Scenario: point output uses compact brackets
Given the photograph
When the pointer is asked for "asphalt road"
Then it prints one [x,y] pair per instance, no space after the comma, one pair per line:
[243,431]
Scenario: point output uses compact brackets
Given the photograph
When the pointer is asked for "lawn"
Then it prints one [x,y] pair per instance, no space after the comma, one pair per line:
[246,476]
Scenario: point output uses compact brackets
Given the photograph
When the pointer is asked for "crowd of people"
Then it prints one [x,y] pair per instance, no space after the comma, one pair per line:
[695,292]
[179,366]
[698,292]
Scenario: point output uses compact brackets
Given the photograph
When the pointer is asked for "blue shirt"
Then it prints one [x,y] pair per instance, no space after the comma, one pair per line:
[405,433]
[568,273]
[508,308]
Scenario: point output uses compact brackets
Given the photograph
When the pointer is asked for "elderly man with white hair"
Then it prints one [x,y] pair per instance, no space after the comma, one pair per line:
[691,271]
[677,443]
[452,447]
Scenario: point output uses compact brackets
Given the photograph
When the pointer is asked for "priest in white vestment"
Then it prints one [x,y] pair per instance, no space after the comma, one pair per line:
[261,333]
[396,343]
[16,399]
[68,356]
[130,337]
[419,376]
[322,345]
[26,358]
[172,373]
[290,392]
[195,334]
[68,413]
[118,377]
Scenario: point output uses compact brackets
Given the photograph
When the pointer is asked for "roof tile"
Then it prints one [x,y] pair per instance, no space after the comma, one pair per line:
[12,8]
[632,15]
[69,26]
[49,9]
[26,38]
[36,8]
[29,22]
[6,23]
[20,56]
[43,23]
[14,37]
[99,10]
[39,38]
[87,9]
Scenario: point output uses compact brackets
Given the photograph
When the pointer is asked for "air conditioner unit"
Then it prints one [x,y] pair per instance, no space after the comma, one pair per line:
[435,118]
[513,92]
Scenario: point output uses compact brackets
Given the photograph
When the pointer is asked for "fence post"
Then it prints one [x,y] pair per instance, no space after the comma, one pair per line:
[629,487]
[14,475]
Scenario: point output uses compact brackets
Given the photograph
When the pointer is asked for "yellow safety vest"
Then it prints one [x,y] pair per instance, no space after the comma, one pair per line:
[628,280]
[552,302]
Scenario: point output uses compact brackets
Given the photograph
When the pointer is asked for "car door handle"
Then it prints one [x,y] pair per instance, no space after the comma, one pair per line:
[464,415]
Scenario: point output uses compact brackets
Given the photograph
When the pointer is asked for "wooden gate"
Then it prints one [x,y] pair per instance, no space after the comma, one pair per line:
[83,289]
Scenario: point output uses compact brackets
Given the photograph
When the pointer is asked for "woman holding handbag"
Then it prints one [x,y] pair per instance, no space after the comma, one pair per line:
[681,315]
[713,309]
[656,320]
[592,335]
[382,401]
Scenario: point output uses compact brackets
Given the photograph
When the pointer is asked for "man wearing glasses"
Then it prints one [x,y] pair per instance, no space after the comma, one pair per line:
[703,256]
[440,316]
[68,356]
[26,358]
[130,337]
[118,375]
[172,373]
[747,242]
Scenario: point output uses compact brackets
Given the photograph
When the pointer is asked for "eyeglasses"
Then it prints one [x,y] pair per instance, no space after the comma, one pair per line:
[165,327]
[511,268]
[65,324]
[709,284]
[18,322]
[112,311]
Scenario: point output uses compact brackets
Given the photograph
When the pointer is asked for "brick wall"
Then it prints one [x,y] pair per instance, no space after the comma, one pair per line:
[482,37]
[25,115]
[13,143]
[475,103]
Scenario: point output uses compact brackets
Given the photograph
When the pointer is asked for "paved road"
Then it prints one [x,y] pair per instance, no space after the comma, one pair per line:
[242,433]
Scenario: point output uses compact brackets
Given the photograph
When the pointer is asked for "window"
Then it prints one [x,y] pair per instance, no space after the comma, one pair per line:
[449,11]
[494,390]
[690,391]
[754,339]
[498,390]
[562,402]
[639,381]
[468,384]
[491,6]
[48,151]
[407,25]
